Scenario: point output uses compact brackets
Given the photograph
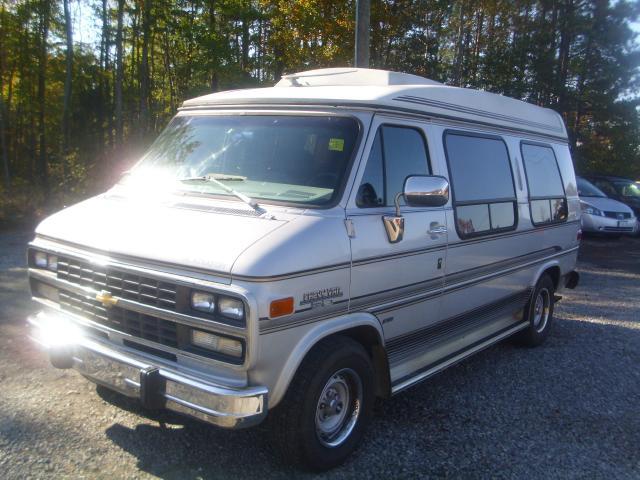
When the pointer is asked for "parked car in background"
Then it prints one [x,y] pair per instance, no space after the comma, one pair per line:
[622,189]
[601,214]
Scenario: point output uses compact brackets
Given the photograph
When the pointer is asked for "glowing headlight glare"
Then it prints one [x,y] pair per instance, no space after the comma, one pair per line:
[203,302]
[231,307]
[52,263]
[40,259]
[57,331]
[224,345]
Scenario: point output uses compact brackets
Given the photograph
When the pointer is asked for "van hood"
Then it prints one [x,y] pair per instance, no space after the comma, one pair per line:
[203,236]
[606,204]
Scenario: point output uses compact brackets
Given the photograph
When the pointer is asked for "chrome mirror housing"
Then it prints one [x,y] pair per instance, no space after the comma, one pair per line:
[426,191]
[419,191]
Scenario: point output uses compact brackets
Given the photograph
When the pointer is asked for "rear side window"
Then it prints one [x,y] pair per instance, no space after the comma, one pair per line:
[396,153]
[546,190]
[482,182]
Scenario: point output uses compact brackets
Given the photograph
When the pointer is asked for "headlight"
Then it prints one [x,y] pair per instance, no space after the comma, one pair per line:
[231,308]
[52,263]
[203,302]
[216,343]
[44,260]
[40,259]
[591,210]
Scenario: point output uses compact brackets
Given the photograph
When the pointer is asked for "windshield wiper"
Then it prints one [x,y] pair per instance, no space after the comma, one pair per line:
[215,176]
[218,178]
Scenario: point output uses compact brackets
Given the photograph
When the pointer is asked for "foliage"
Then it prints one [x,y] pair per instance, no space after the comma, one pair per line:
[579,57]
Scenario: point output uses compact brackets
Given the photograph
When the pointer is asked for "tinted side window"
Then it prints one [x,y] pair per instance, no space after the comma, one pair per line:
[482,181]
[543,176]
[396,153]
[405,154]
[480,168]
[371,192]
[546,191]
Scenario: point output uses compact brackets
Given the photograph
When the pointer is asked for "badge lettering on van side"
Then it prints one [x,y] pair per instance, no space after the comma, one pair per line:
[321,295]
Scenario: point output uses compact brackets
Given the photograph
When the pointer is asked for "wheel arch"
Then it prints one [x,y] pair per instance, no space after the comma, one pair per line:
[552,268]
[361,327]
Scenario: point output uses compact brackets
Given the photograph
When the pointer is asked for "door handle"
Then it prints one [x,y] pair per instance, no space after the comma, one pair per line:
[437,229]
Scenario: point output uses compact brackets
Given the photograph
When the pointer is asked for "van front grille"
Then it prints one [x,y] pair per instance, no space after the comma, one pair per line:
[127,321]
[119,283]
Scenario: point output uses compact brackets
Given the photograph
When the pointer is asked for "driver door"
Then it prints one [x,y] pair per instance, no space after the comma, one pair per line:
[398,282]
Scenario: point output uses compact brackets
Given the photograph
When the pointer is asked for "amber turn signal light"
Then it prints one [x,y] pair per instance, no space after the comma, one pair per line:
[281,307]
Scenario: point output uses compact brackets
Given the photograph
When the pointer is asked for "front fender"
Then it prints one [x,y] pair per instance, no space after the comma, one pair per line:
[277,370]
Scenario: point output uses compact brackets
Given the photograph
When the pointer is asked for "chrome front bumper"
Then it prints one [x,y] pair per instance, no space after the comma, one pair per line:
[155,386]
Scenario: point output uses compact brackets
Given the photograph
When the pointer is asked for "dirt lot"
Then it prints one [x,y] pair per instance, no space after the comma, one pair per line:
[568,409]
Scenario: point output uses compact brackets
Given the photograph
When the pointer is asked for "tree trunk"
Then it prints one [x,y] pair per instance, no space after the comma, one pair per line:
[144,70]
[563,54]
[133,113]
[3,143]
[106,109]
[42,165]
[67,89]
[457,70]
[245,40]
[213,50]
[119,76]
[3,122]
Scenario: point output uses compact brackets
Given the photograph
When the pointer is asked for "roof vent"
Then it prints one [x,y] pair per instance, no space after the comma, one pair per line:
[326,77]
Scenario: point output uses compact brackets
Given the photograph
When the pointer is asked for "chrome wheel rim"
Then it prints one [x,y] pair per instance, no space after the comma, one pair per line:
[338,407]
[541,310]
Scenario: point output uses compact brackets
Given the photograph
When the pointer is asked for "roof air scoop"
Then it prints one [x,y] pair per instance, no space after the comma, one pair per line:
[327,77]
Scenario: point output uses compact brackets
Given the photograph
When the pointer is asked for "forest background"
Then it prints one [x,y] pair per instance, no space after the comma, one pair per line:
[85,85]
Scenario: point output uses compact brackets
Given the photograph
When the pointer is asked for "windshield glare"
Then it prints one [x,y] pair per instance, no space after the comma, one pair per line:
[588,189]
[279,158]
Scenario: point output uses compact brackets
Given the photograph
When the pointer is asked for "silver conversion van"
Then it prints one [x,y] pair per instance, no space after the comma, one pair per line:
[303,249]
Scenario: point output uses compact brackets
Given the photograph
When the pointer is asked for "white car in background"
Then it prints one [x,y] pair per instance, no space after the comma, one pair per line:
[604,215]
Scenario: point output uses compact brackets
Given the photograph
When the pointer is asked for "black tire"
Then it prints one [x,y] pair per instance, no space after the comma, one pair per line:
[539,313]
[295,424]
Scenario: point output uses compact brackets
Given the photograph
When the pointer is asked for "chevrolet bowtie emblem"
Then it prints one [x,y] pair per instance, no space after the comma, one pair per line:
[106,299]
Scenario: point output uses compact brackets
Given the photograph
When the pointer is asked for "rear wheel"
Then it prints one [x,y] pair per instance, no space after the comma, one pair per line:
[539,313]
[328,405]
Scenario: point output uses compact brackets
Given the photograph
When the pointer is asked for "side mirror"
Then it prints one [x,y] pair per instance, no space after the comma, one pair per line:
[419,191]
[426,191]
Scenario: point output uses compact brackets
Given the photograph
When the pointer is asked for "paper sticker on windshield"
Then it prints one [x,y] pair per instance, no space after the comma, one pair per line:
[336,144]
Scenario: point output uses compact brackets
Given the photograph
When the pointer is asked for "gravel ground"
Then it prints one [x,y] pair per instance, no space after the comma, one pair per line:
[568,409]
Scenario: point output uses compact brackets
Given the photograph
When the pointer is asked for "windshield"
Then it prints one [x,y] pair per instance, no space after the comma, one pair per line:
[588,189]
[290,159]
[627,189]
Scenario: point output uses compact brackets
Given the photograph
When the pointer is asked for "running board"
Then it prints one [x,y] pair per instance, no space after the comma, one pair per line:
[456,358]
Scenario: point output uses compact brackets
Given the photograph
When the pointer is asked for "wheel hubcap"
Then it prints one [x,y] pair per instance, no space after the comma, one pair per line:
[338,407]
[541,310]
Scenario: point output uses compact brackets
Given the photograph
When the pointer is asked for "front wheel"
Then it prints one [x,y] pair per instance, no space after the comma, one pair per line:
[328,405]
[539,313]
